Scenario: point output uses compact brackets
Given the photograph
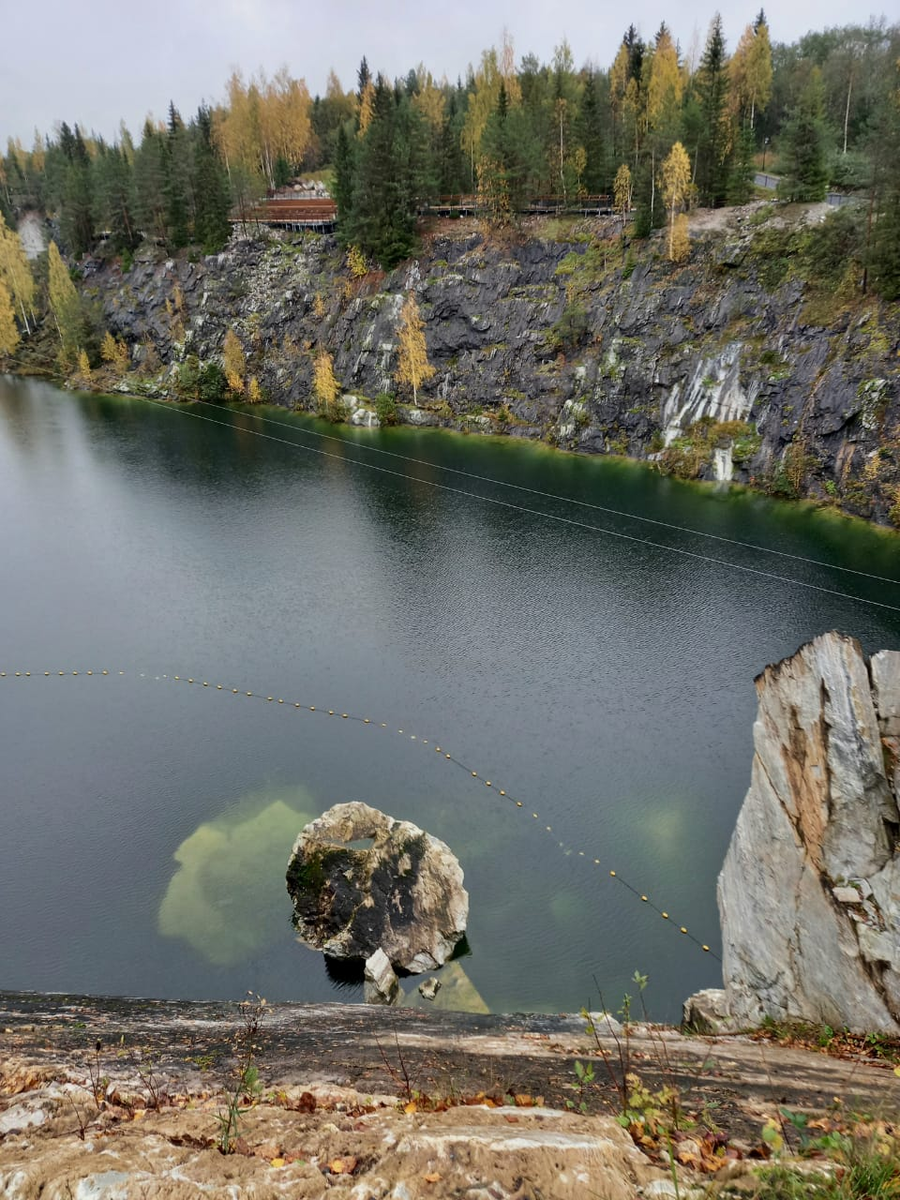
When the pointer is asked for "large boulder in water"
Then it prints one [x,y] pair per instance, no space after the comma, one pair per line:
[402,893]
[809,896]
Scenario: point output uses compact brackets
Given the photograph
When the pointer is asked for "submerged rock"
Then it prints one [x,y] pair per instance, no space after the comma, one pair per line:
[403,893]
[430,988]
[809,895]
[382,986]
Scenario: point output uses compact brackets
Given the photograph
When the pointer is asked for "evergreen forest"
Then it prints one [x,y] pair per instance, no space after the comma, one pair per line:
[663,127]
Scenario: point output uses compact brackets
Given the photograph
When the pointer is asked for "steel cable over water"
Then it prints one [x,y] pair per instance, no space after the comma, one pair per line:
[521,487]
[534,512]
[445,756]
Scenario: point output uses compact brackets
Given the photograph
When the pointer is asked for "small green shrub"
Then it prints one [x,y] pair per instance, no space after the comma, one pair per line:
[386,408]
[212,385]
[570,330]
[188,380]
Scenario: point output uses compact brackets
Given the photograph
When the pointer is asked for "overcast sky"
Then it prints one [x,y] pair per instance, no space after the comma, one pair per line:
[96,61]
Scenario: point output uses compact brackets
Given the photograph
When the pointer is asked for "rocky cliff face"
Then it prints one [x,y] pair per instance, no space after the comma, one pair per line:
[809,895]
[711,367]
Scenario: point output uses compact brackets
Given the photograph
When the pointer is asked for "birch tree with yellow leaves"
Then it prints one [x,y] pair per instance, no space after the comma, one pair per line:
[676,190]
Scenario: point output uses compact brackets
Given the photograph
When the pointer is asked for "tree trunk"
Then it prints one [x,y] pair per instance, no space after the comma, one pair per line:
[847,109]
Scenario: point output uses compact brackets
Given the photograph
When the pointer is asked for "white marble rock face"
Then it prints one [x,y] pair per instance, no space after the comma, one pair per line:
[809,894]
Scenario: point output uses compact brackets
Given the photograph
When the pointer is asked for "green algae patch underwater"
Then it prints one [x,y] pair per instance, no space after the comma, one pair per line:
[227,899]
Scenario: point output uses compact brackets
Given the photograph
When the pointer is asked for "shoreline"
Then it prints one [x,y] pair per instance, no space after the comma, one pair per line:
[459,427]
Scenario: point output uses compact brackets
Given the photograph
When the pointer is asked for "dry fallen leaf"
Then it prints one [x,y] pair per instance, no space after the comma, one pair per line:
[433,1177]
[411,1107]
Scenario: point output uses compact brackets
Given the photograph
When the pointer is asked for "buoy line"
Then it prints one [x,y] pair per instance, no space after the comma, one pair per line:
[477,778]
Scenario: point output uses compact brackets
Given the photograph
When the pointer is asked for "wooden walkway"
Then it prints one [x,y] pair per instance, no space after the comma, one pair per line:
[321,215]
[297,214]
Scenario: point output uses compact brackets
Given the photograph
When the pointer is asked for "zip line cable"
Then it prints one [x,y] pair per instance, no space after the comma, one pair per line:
[534,512]
[445,756]
[520,487]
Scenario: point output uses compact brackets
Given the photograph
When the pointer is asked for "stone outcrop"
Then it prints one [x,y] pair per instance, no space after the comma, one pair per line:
[564,341]
[381,984]
[809,895]
[402,894]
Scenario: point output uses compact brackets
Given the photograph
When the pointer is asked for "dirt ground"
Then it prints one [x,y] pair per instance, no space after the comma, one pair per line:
[107,1098]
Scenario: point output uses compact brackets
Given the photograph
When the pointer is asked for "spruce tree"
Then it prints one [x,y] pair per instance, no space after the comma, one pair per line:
[712,92]
[178,215]
[451,165]
[344,176]
[589,130]
[383,222]
[883,257]
[211,225]
[115,197]
[150,183]
[78,200]
[804,151]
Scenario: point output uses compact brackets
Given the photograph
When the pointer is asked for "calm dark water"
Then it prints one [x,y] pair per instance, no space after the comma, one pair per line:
[145,824]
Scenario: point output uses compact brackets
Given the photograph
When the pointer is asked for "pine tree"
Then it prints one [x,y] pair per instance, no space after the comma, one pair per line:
[413,368]
[804,151]
[9,334]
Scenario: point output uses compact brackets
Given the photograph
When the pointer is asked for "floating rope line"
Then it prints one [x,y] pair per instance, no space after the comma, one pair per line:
[535,512]
[444,754]
[520,487]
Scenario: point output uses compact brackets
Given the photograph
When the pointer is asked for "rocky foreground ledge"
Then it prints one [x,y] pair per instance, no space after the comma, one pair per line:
[106,1098]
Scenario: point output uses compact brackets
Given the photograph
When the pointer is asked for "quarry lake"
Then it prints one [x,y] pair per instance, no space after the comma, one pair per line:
[604,682]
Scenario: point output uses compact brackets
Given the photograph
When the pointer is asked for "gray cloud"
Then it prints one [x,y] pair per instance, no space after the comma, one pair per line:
[103,60]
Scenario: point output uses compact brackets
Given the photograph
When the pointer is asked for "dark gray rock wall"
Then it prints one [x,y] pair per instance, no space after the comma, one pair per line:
[563,342]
